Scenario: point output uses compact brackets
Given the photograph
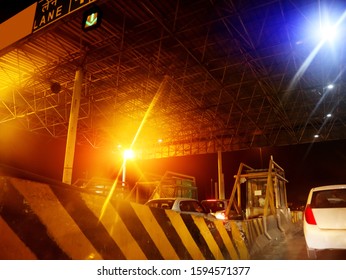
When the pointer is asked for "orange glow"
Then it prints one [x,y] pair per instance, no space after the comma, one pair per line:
[129,154]
[147,113]
[108,198]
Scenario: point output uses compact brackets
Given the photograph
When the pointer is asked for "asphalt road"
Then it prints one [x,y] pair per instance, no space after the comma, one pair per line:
[293,247]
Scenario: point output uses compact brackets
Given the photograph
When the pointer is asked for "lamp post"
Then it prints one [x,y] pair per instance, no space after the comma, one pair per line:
[128,154]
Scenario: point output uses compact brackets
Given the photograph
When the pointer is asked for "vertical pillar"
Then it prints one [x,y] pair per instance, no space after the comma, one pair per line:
[123,183]
[220,176]
[72,128]
[216,190]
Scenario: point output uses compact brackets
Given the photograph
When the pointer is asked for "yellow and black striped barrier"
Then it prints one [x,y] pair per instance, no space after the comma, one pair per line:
[297,217]
[56,221]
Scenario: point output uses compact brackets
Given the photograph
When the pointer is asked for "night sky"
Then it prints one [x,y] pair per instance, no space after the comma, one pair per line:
[9,8]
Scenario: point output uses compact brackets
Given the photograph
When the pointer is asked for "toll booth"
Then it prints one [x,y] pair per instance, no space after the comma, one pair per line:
[103,186]
[259,192]
[144,188]
[171,184]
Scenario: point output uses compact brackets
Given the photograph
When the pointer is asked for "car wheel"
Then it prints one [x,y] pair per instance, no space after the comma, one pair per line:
[312,254]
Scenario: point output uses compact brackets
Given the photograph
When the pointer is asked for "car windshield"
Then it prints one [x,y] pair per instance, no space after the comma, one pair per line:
[335,198]
[215,206]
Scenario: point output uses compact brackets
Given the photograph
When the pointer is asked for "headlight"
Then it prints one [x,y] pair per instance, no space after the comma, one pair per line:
[220,215]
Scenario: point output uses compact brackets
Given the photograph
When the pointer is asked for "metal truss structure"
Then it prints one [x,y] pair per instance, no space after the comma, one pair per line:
[182,77]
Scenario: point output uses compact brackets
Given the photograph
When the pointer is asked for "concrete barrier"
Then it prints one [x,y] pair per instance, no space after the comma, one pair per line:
[44,219]
[297,217]
[260,232]
[253,234]
[51,221]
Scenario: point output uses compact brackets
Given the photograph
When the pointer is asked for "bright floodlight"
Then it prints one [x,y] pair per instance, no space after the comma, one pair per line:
[328,33]
[129,154]
[330,86]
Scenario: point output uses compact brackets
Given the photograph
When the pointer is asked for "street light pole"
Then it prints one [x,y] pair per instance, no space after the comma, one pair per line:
[128,154]
[124,174]
[221,194]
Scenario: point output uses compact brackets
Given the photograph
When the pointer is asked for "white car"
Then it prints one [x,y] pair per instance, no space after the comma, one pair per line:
[179,204]
[325,219]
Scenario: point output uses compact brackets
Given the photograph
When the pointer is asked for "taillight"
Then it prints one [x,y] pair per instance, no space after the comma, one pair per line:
[309,216]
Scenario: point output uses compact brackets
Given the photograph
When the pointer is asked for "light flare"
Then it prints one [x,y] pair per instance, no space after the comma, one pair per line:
[146,115]
[313,54]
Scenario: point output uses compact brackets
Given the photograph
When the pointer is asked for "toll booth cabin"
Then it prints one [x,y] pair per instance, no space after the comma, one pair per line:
[149,186]
[103,186]
[170,185]
[259,192]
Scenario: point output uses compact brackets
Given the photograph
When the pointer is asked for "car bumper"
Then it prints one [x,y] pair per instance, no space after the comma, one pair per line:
[316,238]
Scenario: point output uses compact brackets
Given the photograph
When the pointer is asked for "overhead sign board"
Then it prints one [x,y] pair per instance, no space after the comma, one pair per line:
[49,11]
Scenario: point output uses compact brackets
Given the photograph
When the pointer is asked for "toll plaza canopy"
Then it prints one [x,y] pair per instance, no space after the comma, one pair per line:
[177,77]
